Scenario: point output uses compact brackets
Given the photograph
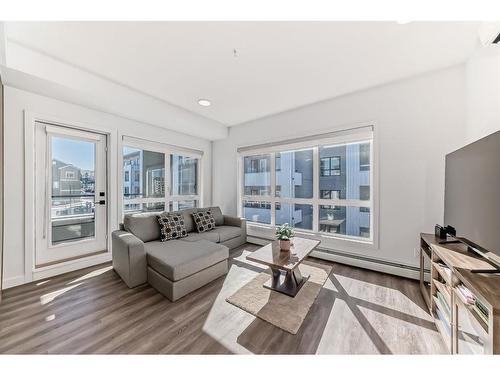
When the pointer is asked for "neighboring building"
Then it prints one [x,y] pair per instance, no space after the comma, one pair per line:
[344,174]
[294,179]
[132,172]
[184,175]
[143,177]
[66,179]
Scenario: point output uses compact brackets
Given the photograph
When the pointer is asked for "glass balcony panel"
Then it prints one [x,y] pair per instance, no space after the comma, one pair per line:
[297,215]
[344,220]
[257,212]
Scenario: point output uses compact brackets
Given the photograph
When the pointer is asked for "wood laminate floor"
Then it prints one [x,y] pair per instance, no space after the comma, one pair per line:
[93,311]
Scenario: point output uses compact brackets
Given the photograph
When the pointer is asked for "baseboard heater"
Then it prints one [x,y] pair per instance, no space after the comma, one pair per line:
[360,261]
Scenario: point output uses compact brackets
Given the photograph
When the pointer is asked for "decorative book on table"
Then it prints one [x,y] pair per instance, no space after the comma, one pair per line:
[466,294]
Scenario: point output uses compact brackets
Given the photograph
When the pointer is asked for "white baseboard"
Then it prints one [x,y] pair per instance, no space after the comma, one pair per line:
[57,269]
[12,282]
[361,262]
[368,264]
[73,265]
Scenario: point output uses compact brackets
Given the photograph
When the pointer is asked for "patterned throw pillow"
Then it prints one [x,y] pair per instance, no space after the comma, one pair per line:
[171,226]
[204,221]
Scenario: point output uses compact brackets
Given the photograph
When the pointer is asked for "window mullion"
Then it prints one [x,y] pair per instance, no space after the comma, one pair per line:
[168,176]
[273,188]
[316,172]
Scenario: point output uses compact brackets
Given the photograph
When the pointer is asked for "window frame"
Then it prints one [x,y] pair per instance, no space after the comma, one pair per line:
[167,150]
[365,134]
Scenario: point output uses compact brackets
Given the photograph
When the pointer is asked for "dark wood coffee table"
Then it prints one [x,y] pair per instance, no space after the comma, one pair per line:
[286,278]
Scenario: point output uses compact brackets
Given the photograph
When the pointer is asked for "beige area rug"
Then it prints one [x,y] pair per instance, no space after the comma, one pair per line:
[276,308]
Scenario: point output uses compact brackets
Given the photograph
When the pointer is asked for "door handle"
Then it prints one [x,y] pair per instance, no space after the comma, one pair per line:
[102,202]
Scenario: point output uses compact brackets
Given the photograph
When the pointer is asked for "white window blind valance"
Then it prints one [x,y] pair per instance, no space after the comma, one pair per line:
[340,136]
[160,145]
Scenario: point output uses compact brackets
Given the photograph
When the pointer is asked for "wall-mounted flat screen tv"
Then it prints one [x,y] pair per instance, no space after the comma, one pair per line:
[472,194]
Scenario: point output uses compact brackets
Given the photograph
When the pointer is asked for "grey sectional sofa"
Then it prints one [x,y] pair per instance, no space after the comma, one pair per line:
[176,267]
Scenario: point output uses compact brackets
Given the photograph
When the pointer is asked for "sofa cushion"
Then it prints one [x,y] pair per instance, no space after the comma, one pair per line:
[227,232]
[179,259]
[211,236]
[217,214]
[171,226]
[145,226]
[204,221]
[188,218]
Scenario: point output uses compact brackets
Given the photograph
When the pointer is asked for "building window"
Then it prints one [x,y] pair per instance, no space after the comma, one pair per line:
[341,205]
[330,166]
[329,194]
[364,232]
[364,157]
[364,192]
[147,190]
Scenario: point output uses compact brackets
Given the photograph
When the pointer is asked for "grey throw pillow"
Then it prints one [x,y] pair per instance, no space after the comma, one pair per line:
[171,226]
[204,221]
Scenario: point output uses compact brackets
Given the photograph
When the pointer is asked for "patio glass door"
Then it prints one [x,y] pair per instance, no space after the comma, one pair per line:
[71,193]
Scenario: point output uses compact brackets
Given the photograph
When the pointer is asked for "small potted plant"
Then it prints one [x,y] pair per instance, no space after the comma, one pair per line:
[284,234]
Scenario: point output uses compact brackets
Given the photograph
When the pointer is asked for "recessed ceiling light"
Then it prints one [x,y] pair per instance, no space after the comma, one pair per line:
[204,102]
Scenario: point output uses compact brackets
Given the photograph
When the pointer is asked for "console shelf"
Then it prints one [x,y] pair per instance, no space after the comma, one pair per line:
[464,328]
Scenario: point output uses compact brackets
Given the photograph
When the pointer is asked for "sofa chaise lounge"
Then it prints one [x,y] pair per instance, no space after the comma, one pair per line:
[175,267]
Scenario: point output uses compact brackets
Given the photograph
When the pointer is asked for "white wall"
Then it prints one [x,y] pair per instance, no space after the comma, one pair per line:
[417,121]
[16,102]
[1,184]
[483,93]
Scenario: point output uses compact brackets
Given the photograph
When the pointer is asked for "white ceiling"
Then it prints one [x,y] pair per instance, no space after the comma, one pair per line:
[278,65]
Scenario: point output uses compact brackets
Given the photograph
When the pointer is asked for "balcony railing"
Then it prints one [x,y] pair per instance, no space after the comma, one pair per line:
[72,217]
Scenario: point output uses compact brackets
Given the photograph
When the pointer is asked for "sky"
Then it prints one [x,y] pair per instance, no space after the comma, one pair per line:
[79,153]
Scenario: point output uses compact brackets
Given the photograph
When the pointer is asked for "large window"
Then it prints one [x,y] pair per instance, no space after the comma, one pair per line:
[324,188]
[145,185]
